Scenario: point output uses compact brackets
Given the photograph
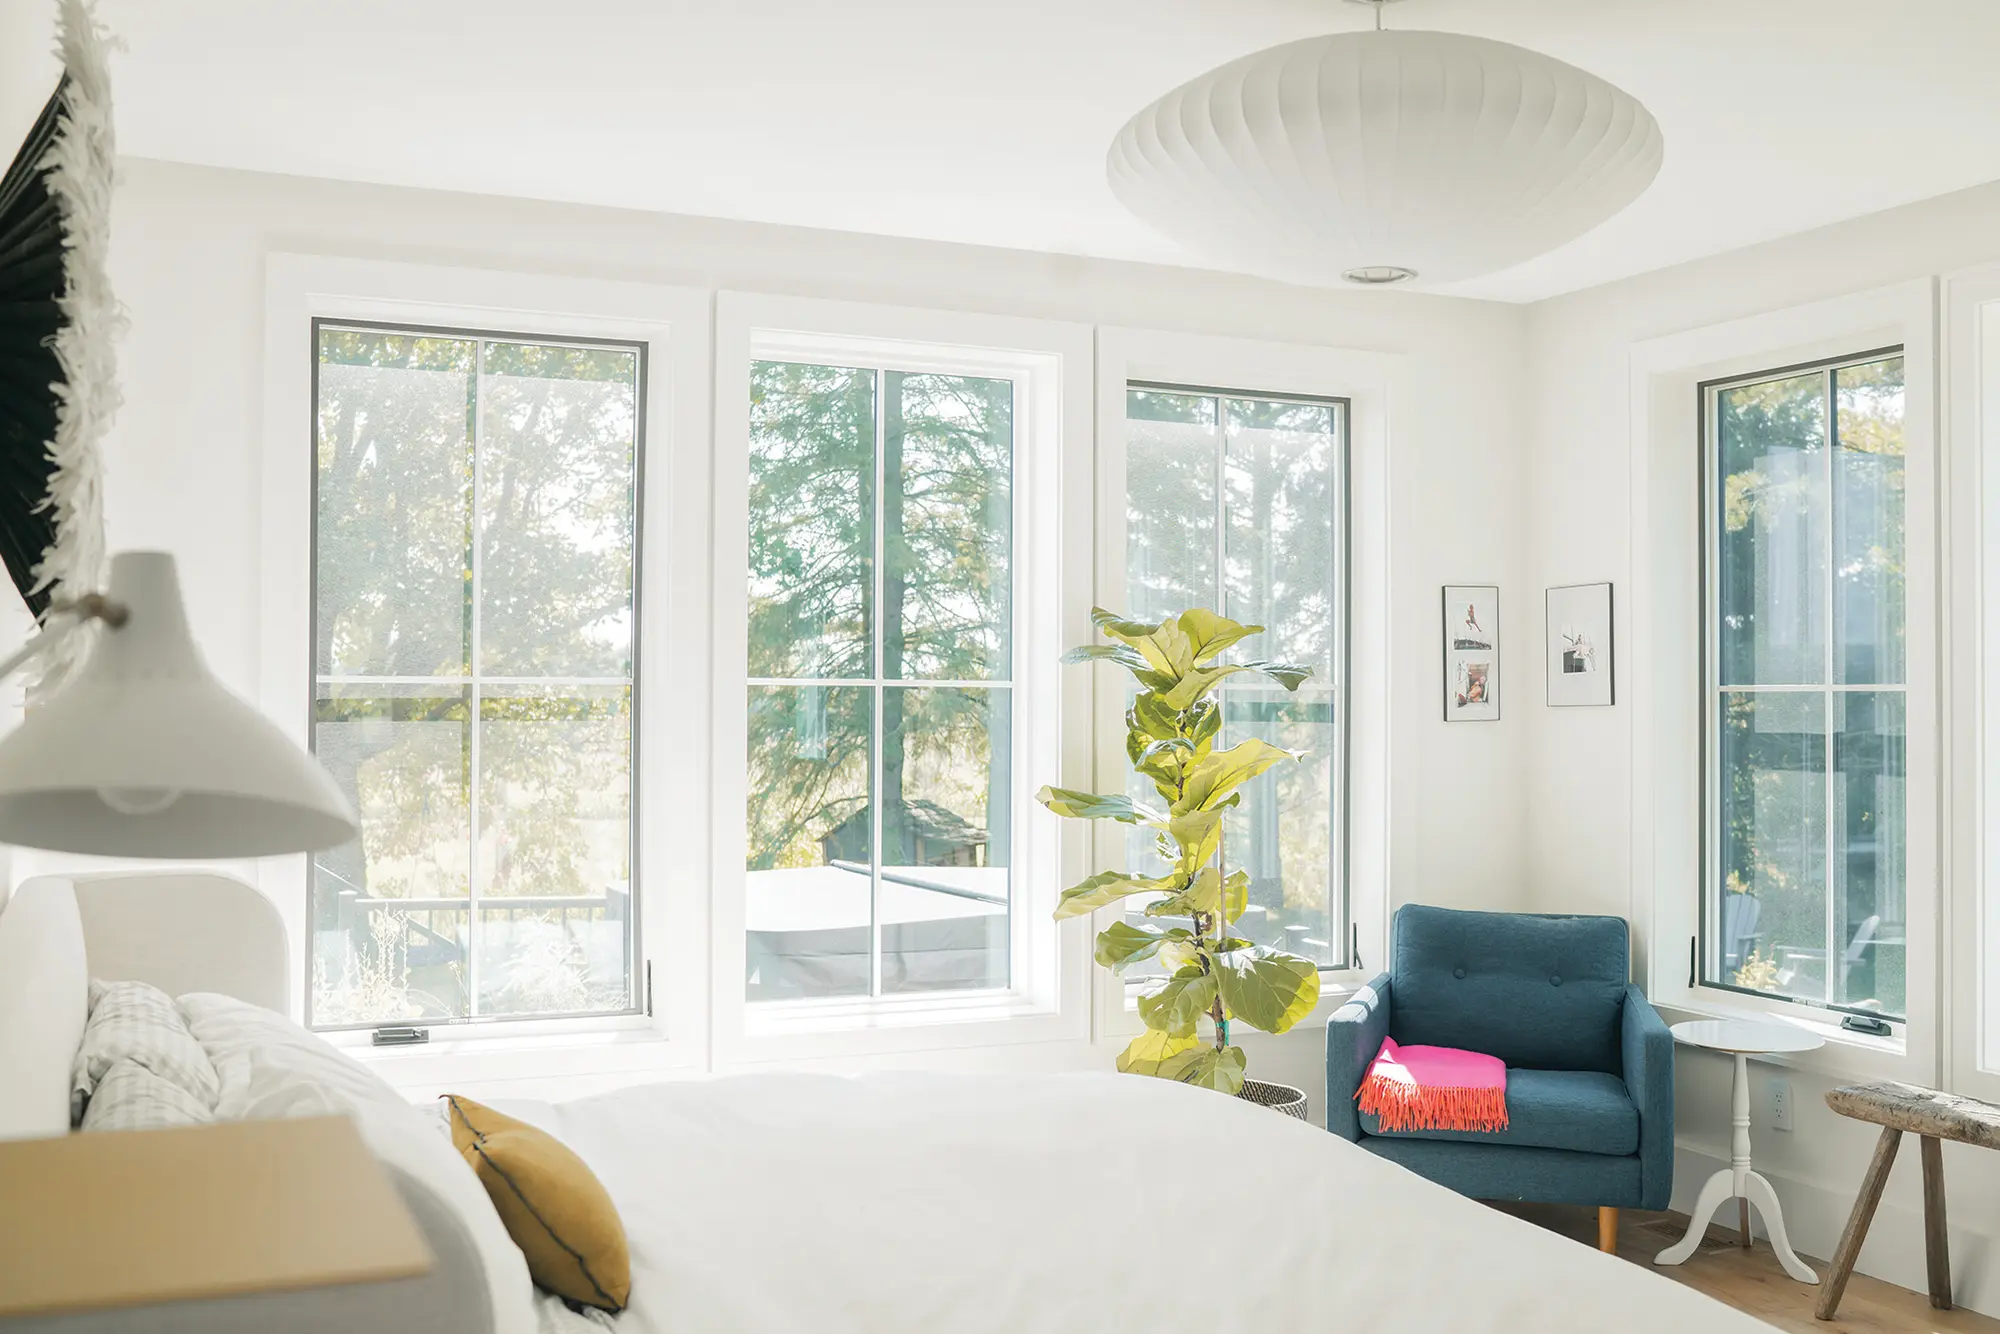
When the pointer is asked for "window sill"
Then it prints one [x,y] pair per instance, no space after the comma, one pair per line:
[616,1054]
[1846,1055]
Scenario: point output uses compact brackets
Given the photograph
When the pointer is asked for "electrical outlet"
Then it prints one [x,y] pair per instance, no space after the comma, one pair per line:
[1778,1099]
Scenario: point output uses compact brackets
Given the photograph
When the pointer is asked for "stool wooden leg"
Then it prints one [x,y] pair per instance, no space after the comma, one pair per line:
[1607,1229]
[1937,1248]
[1856,1231]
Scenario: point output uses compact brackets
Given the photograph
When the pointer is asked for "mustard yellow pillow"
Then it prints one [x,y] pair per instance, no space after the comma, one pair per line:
[556,1210]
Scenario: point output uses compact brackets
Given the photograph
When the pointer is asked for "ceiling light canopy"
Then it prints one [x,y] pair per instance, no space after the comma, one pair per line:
[1379,156]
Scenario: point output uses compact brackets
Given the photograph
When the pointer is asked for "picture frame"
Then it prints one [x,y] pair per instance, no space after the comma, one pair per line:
[1580,658]
[1471,625]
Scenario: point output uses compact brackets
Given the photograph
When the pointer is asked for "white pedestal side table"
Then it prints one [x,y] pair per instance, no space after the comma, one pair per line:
[1742,1038]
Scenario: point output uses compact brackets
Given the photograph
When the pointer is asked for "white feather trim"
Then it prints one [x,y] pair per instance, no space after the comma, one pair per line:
[80,164]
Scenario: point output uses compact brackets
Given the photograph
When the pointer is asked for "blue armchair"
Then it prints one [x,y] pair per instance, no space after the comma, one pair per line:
[1590,1065]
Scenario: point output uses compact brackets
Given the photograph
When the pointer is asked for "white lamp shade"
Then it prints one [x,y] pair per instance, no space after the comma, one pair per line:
[145,754]
[1445,155]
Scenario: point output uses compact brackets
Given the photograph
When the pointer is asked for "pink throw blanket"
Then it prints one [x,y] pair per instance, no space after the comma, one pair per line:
[1434,1088]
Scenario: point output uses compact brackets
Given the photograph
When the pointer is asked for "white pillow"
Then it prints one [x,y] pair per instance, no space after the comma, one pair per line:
[267,1066]
[270,1067]
[131,1097]
[135,1021]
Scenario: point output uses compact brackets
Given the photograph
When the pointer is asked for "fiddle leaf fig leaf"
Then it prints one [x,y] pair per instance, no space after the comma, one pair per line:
[1123,944]
[1122,654]
[1145,1052]
[1091,806]
[1117,627]
[1152,717]
[1168,649]
[1105,889]
[1162,645]
[1196,682]
[1178,954]
[1175,1005]
[1271,990]
[1290,675]
[1221,772]
[1235,896]
[1196,834]
[1174,751]
[1207,723]
[1210,633]
[1203,896]
[1207,1068]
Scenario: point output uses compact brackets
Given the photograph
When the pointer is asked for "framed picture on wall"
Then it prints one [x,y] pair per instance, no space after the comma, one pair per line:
[1580,667]
[1471,653]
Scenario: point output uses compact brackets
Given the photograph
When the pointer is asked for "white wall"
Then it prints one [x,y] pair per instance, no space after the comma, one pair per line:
[28,67]
[188,261]
[1579,760]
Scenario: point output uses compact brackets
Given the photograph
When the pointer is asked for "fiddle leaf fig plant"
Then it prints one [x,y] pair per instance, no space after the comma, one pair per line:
[1171,732]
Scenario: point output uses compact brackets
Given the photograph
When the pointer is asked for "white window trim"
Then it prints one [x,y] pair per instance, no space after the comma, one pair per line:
[671,817]
[1052,364]
[1664,667]
[1972,431]
[1374,385]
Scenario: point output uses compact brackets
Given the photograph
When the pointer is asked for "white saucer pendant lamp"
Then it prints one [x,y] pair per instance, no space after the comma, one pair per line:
[1375,157]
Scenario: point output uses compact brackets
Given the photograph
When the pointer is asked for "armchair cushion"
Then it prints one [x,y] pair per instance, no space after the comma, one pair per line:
[1582,1110]
[1539,992]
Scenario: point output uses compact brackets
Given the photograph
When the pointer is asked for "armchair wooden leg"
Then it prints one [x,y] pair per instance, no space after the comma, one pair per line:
[1607,1229]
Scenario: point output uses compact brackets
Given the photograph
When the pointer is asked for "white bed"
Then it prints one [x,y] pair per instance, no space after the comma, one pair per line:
[923,1202]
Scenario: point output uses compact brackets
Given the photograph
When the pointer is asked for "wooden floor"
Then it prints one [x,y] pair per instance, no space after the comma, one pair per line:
[1751,1281]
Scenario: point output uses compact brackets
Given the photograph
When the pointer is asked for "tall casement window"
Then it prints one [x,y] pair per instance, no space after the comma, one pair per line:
[474,541]
[881,784]
[1238,502]
[1805,685]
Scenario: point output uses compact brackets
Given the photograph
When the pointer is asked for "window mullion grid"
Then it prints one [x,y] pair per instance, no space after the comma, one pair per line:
[473,685]
[1834,949]
[875,739]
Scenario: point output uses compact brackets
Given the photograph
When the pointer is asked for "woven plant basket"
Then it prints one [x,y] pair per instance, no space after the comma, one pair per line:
[1278,1097]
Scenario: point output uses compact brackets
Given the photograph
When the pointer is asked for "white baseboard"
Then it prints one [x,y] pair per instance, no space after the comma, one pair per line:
[1894,1251]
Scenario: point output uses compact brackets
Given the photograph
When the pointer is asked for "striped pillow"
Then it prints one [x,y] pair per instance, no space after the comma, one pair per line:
[131,1097]
[133,1021]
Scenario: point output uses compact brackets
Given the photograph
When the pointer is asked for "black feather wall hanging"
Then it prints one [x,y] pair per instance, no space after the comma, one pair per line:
[59,325]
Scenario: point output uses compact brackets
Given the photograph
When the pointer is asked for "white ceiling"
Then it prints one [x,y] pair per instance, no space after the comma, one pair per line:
[970,120]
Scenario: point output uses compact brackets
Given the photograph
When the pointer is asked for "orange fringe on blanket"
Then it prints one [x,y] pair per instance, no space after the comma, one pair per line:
[1401,1105]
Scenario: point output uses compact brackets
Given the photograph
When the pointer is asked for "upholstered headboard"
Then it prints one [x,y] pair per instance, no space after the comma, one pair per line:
[185,931]
[181,931]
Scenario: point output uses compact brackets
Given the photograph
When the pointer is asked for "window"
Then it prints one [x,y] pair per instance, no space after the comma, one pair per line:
[1237,501]
[1806,770]
[474,546]
[882,771]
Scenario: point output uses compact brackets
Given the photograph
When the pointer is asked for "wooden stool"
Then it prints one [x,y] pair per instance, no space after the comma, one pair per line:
[1936,1117]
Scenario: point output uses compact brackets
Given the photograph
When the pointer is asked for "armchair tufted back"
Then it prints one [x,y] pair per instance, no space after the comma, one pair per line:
[1538,991]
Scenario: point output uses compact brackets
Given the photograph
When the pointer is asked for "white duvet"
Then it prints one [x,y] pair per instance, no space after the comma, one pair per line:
[1098,1204]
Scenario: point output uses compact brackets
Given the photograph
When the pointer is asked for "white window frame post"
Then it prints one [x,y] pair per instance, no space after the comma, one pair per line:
[1971,421]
